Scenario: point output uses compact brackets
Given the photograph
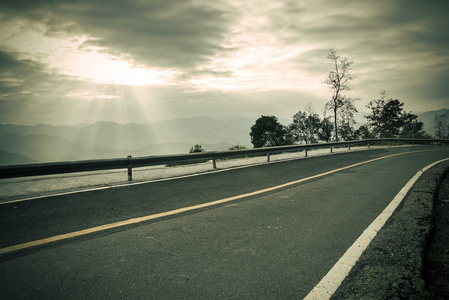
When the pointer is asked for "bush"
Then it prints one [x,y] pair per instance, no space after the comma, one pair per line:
[196,149]
[236,147]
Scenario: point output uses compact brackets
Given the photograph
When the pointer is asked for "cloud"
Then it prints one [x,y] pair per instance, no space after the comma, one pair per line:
[32,93]
[19,77]
[200,56]
[362,26]
[157,33]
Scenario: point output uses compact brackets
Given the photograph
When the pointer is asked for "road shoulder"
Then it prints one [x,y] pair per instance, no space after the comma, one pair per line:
[392,265]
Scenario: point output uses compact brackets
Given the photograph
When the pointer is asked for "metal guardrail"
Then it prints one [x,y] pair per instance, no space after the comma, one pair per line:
[130,162]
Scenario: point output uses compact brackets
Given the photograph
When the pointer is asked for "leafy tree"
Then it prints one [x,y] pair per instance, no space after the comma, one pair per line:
[268,132]
[338,81]
[196,149]
[412,127]
[346,131]
[441,127]
[363,133]
[386,118]
[325,131]
[305,127]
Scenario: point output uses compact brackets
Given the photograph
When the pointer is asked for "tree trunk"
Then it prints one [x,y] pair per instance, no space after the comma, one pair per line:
[335,124]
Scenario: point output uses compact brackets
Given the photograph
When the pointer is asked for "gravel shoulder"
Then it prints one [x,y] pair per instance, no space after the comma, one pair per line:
[408,259]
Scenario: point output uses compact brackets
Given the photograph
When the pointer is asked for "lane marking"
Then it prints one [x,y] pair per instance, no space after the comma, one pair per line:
[184,209]
[333,279]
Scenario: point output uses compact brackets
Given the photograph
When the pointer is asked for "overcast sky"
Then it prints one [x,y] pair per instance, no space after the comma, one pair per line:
[67,62]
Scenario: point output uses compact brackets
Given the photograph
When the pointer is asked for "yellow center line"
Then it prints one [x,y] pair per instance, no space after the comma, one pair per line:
[181,210]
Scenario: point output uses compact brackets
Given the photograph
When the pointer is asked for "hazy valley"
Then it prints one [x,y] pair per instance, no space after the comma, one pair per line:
[46,143]
[22,144]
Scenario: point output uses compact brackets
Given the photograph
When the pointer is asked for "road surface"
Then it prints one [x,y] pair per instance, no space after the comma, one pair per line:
[275,242]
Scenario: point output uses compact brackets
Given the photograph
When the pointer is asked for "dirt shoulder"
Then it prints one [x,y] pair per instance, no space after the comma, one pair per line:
[401,260]
[436,268]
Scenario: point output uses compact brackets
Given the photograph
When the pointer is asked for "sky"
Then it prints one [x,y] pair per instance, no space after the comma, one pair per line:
[69,62]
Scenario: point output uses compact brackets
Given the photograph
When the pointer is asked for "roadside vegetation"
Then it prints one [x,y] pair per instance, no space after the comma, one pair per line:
[387,117]
[197,149]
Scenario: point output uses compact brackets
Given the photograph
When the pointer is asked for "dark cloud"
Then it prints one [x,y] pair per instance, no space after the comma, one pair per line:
[157,33]
[390,25]
[20,77]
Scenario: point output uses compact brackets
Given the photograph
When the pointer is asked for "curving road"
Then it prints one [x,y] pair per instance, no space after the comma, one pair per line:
[275,242]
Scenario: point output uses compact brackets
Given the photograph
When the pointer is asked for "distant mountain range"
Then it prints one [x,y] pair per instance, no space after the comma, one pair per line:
[7,158]
[22,144]
[428,119]
[47,143]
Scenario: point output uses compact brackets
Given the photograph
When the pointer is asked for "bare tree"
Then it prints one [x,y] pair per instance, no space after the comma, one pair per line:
[338,81]
[441,127]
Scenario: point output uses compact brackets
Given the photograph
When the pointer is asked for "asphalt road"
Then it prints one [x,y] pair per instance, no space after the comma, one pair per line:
[275,245]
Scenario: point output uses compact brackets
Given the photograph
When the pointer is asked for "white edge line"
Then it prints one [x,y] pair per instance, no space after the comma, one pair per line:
[333,279]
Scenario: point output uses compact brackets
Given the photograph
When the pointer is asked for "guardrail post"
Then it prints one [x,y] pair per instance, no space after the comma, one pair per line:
[331,149]
[305,153]
[268,157]
[214,162]
[130,168]
[349,147]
